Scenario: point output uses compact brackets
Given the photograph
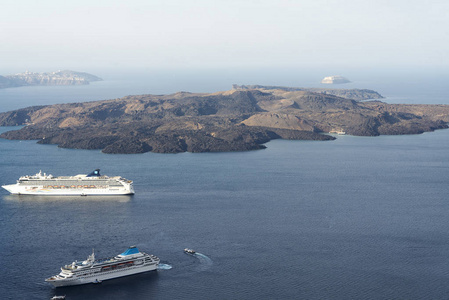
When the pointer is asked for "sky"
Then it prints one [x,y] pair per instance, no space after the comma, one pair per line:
[46,35]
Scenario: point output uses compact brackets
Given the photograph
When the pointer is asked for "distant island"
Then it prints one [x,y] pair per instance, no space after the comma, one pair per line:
[335,79]
[353,94]
[240,119]
[65,77]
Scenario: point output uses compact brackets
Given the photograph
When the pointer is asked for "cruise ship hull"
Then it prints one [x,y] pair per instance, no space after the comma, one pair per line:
[130,262]
[95,278]
[79,185]
[16,189]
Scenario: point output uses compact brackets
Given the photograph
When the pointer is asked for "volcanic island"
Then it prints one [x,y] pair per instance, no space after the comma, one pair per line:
[241,119]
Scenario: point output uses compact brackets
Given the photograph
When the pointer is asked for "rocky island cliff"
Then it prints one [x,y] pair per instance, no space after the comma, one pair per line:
[353,94]
[65,77]
[237,120]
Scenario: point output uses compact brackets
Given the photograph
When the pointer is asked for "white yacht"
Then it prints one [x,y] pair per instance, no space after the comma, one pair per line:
[84,185]
[130,262]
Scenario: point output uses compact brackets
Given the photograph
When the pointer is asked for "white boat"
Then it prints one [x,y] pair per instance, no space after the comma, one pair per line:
[58,297]
[130,262]
[339,131]
[189,251]
[78,185]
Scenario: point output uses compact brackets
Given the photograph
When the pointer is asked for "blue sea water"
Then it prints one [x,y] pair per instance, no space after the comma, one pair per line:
[354,218]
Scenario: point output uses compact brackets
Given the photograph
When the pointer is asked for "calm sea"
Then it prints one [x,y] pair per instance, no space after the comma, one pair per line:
[354,218]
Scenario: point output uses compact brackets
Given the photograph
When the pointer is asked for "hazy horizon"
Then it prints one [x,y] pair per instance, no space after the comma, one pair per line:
[144,35]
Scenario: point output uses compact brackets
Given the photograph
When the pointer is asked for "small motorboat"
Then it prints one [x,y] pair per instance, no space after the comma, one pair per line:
[189,251]
[58,297]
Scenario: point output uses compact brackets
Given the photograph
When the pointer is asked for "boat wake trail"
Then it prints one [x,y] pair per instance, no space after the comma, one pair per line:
[164,267]
[205,261]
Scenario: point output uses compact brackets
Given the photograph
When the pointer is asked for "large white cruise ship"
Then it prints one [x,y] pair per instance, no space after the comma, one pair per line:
[91,184]
[130,262]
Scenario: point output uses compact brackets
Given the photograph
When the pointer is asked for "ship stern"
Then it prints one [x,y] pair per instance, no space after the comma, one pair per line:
[131,189]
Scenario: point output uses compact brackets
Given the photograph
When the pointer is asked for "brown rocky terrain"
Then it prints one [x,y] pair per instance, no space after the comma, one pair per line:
[237,120]
[353,94]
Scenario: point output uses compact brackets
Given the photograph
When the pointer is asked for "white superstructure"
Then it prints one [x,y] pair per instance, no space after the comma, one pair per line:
[130,262]
[91,184]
